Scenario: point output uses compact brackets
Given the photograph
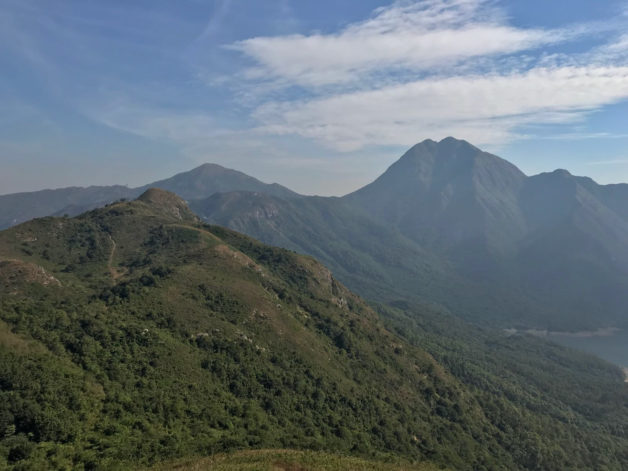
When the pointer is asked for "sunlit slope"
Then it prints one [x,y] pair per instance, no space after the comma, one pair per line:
[147,335]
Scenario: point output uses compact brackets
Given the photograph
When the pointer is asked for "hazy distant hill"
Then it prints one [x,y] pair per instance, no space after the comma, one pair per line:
[549,251]
[16,208]
[200,182]
[575,254]
[134,333]
[208,179]
[560,240]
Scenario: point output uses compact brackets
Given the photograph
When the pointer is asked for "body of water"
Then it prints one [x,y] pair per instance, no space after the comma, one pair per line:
[611,346]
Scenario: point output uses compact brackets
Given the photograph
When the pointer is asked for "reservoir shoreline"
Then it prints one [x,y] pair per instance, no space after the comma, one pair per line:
[610,344]
[602,332]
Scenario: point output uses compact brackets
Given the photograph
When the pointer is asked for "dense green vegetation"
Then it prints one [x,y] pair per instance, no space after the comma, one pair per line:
[530,389]
[161,340]
[135,334]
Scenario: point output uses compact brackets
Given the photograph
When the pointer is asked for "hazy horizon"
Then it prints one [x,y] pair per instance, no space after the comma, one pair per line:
[318,98]
[285,184]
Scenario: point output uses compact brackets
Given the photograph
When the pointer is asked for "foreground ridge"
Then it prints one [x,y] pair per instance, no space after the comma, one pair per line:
[209,341]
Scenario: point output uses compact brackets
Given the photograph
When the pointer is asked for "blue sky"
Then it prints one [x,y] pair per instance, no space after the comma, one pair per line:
[319,96]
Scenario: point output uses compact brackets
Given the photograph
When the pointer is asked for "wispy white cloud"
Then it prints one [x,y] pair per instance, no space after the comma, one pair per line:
[413,70]
[431,68]
[413,36]
[484,109]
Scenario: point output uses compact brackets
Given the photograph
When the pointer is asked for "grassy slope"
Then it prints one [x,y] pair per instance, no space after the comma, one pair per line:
[288,460]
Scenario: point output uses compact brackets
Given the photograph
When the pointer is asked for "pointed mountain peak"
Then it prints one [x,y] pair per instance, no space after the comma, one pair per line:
[449,158]
[451,139]
[167,202]
[450,186]
[449,148]
[431,165]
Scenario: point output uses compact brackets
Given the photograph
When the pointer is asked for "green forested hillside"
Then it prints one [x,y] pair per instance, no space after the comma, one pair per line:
[529,388]
[135,334]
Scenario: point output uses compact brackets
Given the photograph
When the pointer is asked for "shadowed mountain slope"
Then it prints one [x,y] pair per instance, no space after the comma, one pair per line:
[447,195]
[479,237]
[368,255]
[558,240]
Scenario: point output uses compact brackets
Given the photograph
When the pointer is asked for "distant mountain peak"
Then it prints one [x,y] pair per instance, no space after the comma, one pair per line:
[449,159]
[448,141]
[447,149]
[207,179]
[210,169]
[451,139]
[446,192]
[209,165]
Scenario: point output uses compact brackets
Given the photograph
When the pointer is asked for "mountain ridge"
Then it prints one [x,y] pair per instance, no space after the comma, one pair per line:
[499,242]
[465,229]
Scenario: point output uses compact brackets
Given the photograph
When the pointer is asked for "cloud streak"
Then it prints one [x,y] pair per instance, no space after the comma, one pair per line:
[414,36]
[430,68]
[485,109]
